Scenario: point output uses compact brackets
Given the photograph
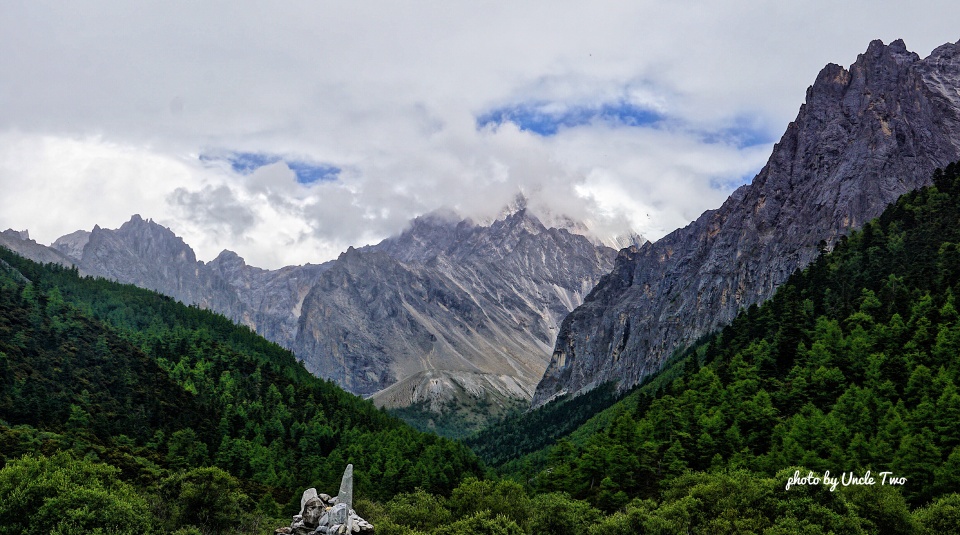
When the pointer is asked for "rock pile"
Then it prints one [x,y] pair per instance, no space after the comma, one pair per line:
[319,513]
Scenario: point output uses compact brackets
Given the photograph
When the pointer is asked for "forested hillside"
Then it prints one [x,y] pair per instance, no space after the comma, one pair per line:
[852,366]
[110,386]
[521,433]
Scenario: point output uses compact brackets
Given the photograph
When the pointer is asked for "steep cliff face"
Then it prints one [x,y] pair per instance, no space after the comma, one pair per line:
[267,301]
[448,296]
[72,244]
[864,136]
[144,254]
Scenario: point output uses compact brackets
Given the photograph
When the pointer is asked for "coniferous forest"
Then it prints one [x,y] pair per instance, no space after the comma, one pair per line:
[126,412]
[141,400]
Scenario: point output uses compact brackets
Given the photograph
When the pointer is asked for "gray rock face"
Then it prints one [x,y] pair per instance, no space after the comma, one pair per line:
[268,301]
[72,244]
[151,256]
[142,254]
[478,305]
[864,136]
[448,296]
[19,242]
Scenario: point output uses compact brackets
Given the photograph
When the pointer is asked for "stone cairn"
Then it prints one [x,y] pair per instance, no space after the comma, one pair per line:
[319,513]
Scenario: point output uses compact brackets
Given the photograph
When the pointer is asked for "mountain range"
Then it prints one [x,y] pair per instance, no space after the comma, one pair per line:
[453,309]
[745,370]
[448,311]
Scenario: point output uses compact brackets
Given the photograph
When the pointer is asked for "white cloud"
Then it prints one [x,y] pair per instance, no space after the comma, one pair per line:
[106,106]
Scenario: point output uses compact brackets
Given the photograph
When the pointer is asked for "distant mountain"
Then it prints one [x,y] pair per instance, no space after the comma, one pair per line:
[448,310]
[19,242]
[864,136]
[481,304]
[151,256]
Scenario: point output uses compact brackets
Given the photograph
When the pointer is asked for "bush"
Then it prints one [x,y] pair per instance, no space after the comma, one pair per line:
[503,497]
[207,498]
[63,494]
[482,523]
[419,510]
[559,514]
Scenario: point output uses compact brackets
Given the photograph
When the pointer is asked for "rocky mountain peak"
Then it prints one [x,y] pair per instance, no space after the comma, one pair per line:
[521,221]
[145,254]
[864,136]
[476,304]
[518,203]
[149,255]
[19,234]
[230,266]
[896,51]
[427,236]
[228,257]
[943,55]
[19,241]
[351,254]
[72,244]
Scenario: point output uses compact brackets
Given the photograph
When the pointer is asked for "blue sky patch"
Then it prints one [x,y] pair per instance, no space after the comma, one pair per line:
[248,162]
[742,134]
[306,172]
[546,119]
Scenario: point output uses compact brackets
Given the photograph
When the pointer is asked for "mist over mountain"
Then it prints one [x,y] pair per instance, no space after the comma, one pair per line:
[865,135]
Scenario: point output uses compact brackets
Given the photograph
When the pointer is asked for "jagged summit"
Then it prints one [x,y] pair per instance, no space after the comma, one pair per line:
[21,234]
[864,136]
[19,241]
[227,256]
[448,295]
[613,236]
[432,233]
[473,304]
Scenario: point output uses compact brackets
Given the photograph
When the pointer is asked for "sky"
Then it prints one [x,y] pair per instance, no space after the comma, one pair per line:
[288,131]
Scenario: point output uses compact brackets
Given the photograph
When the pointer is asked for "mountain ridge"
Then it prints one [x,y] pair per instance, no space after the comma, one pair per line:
[863,137]
[473,299]
[450,261]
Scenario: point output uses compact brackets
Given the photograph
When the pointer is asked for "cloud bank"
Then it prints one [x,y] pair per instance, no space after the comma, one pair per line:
[289,132]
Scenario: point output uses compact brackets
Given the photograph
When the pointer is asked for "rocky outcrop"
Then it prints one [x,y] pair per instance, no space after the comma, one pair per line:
[865,135]
[319,513]
[452,296]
